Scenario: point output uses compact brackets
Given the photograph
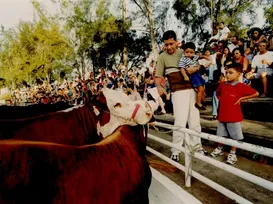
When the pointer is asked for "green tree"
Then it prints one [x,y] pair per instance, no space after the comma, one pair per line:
[152,10]
[198,15]
[268,10]
[89,24]
[33,51]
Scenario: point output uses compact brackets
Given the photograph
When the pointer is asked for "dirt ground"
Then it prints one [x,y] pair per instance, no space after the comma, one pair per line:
[207,195]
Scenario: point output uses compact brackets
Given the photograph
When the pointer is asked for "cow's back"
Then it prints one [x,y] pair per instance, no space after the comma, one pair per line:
[21,112]
[75,127]
[111,171]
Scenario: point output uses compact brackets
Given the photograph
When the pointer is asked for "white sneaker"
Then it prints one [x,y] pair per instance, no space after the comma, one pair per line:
[231,159]
[175,157]
[202,151]
[217,152]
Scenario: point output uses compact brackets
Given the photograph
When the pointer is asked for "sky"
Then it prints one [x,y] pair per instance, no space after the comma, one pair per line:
[12,11]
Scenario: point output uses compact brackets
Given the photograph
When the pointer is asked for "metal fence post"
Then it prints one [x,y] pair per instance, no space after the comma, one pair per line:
[188,169]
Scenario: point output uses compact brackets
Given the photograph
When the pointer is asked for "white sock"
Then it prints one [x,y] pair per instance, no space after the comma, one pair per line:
[232,152]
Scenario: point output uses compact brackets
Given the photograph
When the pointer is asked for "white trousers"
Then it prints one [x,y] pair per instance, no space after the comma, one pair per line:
[185,113]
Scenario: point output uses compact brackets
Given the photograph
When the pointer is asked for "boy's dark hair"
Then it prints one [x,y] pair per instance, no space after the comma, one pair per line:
[147,75]
[251,48]
[131,86]
[222,23]
[227,62]
[237,66]
[190,45]
[169,34]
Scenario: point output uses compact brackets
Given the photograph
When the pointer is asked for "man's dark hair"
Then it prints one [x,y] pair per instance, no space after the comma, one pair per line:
[235,36]
[190,45]
[242,40]
[237,66]
[169,34]
[222,23]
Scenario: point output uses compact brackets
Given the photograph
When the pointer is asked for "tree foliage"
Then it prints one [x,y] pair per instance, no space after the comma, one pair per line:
[33,51]
[269,12]
[196,15]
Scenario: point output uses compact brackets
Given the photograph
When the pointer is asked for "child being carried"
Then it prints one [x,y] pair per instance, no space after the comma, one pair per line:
[198,83]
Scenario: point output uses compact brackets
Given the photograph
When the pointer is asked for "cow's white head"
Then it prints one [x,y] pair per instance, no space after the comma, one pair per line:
[121,111]
[122,107]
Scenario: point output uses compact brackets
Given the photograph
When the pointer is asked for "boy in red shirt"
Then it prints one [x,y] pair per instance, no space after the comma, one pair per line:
[230,95]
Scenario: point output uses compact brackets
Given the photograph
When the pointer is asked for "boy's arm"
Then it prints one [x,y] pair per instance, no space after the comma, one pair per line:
[247,97]
[218,90]
[185,76]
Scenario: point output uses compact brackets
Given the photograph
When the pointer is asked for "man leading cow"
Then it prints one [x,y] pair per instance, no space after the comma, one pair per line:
[183,95]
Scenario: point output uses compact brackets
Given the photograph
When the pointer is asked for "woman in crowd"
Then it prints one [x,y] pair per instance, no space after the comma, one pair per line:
[241,59]
[256,37]
[226,56]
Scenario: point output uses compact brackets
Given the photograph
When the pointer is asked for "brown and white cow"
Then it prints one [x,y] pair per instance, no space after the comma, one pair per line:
[121,111]
[114,171]
[80,125]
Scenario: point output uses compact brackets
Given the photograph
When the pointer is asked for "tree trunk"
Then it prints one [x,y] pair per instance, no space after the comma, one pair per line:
[83,68]
[151,26]
[125,48]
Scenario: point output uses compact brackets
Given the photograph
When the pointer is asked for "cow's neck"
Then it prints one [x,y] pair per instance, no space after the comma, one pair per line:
[113,124]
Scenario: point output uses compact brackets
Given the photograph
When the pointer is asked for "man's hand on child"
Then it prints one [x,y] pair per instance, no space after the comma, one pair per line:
[191,70]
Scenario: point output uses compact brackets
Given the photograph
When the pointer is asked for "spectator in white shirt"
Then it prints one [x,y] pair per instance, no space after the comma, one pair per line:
[224,32]
[209,62]
[234,43]
[263,63]
[133,94]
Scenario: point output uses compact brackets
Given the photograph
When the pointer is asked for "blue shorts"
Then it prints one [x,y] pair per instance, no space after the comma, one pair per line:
[197,80]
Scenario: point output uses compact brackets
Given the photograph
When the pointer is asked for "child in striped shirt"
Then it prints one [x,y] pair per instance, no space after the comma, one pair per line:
[198,83]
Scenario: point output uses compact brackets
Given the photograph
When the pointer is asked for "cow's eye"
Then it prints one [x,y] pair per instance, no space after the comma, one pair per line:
[117,105]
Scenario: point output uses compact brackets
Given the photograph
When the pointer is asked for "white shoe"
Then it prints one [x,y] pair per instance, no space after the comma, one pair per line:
[175,157]
[231,159]
[202,151]
[217,152]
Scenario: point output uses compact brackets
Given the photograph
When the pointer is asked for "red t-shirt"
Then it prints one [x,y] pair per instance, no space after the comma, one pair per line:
[228,95]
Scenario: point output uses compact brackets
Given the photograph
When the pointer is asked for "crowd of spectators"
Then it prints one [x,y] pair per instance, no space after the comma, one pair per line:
[254,55]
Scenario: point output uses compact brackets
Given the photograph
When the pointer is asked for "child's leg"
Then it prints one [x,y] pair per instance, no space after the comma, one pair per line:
[221,131]
[233,150]
[200,95]
[235,132]
[203,94]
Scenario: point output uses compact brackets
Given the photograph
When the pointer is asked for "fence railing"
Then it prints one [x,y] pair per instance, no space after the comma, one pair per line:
[188,152]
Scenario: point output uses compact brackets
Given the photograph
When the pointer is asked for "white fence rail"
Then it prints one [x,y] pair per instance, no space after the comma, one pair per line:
[188,157]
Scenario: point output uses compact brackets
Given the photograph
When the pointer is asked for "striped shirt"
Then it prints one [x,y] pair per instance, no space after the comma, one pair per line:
[185,62]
